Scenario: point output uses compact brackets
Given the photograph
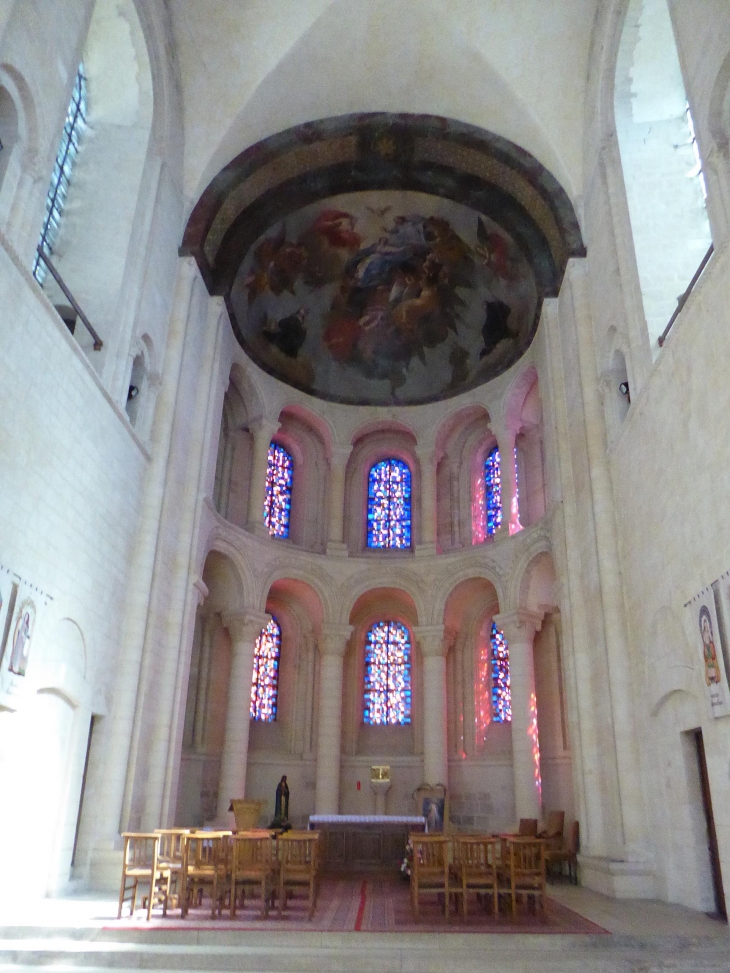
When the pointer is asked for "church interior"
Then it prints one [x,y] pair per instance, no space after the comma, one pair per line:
[365,408]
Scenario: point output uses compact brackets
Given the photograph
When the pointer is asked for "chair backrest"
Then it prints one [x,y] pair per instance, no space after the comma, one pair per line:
[141,850]
[205,850]
[527,828]
[430,852]
[171,843]
[555,824]
[298,850]
[573,842]
[252,851]
[475,853]
[527,858]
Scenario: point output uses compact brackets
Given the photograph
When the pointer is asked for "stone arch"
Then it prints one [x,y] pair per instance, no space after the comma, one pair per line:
[238,581]
[532,581]
[311,577]
[462,441]
[301,434]
[388,576]
[22,162]
[718,109]
[476,568]
[669,664]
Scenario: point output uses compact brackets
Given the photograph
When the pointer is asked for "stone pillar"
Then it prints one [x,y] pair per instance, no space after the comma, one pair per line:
[433,653]
[508,468]
[380,788]
[244,629]
[262,431]
[427,461]
[338,468]
[332,646]
[519,629]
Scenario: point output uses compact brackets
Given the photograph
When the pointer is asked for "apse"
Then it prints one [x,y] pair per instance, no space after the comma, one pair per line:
[384,259]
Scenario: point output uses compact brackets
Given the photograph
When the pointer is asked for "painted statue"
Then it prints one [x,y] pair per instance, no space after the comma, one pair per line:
[712,667]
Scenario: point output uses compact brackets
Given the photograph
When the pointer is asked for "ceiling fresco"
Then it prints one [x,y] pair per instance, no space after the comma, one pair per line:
[384,260]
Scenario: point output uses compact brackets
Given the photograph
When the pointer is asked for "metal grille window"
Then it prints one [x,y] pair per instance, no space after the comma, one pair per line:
[67,152]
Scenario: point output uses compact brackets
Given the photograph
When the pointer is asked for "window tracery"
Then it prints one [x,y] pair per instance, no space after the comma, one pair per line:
[265,682]
[387,674]
[279,478]
[389,505]
[61,176]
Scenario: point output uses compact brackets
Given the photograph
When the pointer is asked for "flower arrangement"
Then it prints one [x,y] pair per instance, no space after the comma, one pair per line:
[405,868]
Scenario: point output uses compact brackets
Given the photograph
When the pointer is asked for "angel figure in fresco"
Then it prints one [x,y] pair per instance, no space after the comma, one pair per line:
[21,643]
[328,244]
[277,264]
[712,668]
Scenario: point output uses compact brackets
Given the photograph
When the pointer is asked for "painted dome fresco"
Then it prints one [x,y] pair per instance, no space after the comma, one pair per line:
[384,260]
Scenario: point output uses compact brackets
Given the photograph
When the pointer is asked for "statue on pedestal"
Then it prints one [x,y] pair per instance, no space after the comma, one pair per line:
[281,805]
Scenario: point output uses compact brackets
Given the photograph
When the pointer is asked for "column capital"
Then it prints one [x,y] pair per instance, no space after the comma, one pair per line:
[426,452]
[264,427]
[201,589]
[339,455]
[519,625]
[431,640]
[334,639]
[245,627]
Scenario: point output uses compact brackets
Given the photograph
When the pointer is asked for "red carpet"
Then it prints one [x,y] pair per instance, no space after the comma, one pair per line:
[372,904]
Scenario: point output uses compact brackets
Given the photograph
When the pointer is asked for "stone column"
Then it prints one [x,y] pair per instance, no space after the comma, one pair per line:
[332,646]
[244,629]
[519,629]
[427,460]
[338,468]
[435,754]
[262,431]
[508,468]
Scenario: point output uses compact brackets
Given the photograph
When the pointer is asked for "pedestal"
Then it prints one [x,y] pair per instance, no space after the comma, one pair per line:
[380,788]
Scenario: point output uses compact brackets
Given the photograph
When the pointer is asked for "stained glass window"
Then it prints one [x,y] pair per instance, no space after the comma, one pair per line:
[277,504]
[501,693]
[265,682]
[61,176]
[387,674]
[389,504]
[493,490]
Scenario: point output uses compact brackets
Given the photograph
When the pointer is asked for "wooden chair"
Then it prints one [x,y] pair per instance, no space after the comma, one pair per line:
[252,864]
[567,853]
[298,858]
[524,873]
[475,867]
[204,868]
[430,869]
[141,862]
[171,856]
[553,832]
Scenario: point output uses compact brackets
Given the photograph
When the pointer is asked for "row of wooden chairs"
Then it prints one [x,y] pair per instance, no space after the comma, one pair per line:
[180,866]
[484,865]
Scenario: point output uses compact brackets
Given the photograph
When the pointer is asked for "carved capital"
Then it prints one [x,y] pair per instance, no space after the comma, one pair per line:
[263,429]
[201,589]
[519,626]
[334,638]
[339,455]
[431,640]
[245,627]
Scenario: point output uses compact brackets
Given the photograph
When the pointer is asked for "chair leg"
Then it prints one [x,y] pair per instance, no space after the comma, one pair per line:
[463,899]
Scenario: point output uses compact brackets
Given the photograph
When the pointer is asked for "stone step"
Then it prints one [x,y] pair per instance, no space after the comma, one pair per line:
[78,949]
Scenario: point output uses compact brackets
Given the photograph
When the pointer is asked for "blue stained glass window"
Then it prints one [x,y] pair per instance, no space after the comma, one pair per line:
[501,693]
[277,505]
[389,504]
[387,674]
[265,682]
[61,176]
[493,487]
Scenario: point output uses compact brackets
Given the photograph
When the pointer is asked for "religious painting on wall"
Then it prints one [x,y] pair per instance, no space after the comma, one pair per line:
[704,622]
[22,634]
[385,297]
[432,803]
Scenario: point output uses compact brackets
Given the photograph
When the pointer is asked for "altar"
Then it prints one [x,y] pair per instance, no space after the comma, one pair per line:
[363,842]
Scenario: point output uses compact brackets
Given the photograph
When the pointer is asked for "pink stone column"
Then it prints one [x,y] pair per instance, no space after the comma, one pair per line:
[262,431]
[338,468]
[433,655]
[332,647]
[244,629]
[508,467]
[519,629]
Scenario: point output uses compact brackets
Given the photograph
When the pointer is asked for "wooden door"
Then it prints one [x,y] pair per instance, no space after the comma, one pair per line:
[710,821]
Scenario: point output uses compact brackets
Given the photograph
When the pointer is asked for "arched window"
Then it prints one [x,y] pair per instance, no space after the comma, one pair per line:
[389,504]
[67,152]
[265,682]
[387,674]
[493,491]
[277,505]
[501,693]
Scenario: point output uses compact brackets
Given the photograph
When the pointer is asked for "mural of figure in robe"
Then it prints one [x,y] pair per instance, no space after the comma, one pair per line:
[22,634]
